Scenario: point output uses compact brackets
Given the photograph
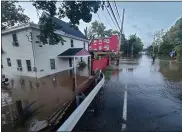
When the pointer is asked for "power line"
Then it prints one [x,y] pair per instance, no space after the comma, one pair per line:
[113,15]
[110,16]
[99,17]
[108,21]
[117,11]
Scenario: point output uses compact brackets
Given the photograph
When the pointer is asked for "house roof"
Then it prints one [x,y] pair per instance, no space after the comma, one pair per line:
[74,52]
[20,27]
[67,28]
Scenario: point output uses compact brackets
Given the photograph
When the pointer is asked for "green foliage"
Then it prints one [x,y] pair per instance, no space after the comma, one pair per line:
[73,10]
[82,65]
[47,31]
[108,33]
[12,14]
[98,30]
[132,45]
[178,49]
[174,35]
[165,48]
[172,39]
[116,32]
[96,57]
[108,73]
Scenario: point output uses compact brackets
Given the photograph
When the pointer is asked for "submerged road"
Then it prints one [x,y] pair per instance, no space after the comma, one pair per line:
[138,95]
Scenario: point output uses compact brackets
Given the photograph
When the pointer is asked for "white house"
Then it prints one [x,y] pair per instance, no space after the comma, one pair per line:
[23,55]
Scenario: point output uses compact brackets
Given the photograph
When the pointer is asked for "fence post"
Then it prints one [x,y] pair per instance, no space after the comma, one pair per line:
[20,111]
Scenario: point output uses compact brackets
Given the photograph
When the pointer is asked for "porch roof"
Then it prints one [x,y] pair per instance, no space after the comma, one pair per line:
[74,52]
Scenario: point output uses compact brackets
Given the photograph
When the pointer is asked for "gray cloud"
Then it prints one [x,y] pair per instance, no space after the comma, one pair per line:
[149,34]
[135,26]
[148,26]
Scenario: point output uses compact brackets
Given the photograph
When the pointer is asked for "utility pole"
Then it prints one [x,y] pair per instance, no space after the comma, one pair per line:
[160,37]
[122,21]
[121,31]
[153,42]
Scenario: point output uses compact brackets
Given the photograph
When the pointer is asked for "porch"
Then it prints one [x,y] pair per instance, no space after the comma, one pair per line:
[73,54]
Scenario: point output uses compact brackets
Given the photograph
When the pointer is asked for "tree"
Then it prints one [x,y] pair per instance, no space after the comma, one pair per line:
[98,29]
[73,10]
[172,39]
[132,45]
[12,14]
[116,32]
[108,33]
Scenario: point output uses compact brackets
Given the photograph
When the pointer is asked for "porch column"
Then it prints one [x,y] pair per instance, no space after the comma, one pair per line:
[75,71]
[90,65]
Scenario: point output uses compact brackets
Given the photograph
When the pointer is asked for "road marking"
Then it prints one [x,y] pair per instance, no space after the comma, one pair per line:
[125,108]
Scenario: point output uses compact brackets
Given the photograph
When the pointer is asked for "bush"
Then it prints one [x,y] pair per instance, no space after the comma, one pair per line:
[81,65]
[178,49]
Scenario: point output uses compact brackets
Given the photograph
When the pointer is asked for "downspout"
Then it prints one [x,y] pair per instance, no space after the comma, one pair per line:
[34,69]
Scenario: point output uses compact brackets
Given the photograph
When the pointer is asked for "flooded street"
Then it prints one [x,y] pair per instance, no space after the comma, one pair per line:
[138,95]
[48,94]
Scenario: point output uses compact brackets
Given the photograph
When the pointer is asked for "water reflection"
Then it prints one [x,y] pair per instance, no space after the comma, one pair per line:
[171,70]
[49,94]
[164,75]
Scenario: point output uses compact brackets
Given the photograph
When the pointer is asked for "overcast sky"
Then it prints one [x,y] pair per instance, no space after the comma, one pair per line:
[142,18]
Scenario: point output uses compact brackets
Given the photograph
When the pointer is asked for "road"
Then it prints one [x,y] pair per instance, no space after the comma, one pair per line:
[139,95]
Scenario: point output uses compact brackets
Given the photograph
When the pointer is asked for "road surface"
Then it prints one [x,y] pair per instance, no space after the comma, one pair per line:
[139,95]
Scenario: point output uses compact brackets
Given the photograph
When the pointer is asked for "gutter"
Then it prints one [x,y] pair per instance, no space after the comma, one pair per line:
[36,26]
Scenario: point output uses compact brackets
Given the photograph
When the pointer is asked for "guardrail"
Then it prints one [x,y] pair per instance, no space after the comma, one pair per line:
[72,120]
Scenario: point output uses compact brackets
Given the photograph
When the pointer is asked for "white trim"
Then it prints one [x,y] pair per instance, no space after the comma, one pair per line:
[75,56]
[29,25]
[36,26]
[72,120]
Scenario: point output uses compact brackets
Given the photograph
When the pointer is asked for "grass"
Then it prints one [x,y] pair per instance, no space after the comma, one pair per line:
[108,73]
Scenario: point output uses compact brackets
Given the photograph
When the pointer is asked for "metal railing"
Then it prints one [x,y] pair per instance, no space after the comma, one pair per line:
[72,120]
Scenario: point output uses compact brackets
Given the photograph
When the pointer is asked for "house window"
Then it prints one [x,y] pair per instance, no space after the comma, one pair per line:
[72,43]
[15,40]
[106,47]
[19,64]
[52,63]
[100,41]
[70,62]
[95,41]
[84,45]
[106,40]
[8,61]
[100,47]
[29,68]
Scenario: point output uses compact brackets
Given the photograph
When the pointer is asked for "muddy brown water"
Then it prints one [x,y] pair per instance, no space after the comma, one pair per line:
[50,92]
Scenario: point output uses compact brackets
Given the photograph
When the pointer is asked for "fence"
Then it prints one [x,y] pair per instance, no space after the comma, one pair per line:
[100,64]
[70,123]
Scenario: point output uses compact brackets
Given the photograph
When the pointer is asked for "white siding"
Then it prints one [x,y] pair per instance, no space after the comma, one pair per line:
[46,52]
[23,52]
[30,50]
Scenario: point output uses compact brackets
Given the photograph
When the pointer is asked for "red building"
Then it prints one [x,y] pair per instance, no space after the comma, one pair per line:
[110,44]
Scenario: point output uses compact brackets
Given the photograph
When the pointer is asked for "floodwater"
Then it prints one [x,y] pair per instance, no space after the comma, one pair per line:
[49,94]
[138,96]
